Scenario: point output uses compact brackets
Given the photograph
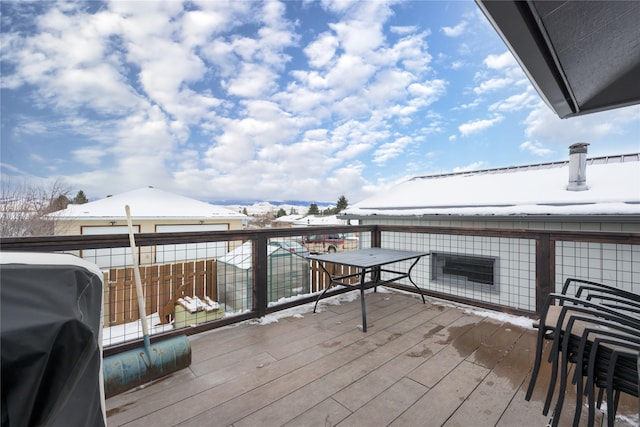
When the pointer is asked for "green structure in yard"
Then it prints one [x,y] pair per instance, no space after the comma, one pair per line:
[287,276]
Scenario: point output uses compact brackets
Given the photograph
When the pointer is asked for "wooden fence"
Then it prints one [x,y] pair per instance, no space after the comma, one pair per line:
[320,280]
[163,284]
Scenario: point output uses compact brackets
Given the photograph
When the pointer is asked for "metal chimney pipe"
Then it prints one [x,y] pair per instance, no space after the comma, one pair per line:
[578,167]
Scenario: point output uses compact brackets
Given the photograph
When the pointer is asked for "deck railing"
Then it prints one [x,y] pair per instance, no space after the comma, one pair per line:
[527,265]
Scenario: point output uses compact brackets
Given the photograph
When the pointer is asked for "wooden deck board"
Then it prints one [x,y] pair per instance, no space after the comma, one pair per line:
[419,364]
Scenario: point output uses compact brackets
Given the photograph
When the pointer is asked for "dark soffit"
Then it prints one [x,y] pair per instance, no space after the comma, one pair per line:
[581,56]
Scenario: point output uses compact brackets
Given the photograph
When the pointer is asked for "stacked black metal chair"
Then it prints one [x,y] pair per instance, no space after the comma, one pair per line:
[597,329]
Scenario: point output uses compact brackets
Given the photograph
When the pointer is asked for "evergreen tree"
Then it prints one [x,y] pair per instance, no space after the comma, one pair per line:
[280,213]
[80,198]
[313,209]
[342,204]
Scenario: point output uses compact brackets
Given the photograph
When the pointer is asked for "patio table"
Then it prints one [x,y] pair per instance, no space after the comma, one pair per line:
[370,262]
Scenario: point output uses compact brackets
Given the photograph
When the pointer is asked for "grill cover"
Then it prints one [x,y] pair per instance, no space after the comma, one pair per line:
[51,341]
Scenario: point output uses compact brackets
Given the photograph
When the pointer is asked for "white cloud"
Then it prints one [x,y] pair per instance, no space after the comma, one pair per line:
[535,148]
[322,50]
[492,85]
[89,155]
[476,126]
[543,125]
[252,81]
[528,99]
[356,68]
[470,167]
[389,86]
[358,37]
[233,99]
[172,52]
[391,149]
[473,104]
[498,62]
[411,51]
[408,29]
[66,61]
[428,91]
[456,31]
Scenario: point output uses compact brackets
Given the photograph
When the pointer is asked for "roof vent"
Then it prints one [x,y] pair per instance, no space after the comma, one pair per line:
[578,167]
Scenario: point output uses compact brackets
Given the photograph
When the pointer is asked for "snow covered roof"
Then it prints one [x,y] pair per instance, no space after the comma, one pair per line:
[289,218]
[242,256]
[613,189]
[146,202]
[318,220]
[311,220]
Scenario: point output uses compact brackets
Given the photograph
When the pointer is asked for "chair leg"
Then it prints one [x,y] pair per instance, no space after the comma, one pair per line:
[591,387]
[563,380]
[553,358]
[581,369]
[536,364]
[600,395]
[612,400]
[611,406]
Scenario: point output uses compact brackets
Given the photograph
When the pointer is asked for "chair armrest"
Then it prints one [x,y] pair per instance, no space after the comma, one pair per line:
[589,285]
[575,304]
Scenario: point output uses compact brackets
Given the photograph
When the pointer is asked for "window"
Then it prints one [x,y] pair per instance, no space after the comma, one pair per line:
[464,270]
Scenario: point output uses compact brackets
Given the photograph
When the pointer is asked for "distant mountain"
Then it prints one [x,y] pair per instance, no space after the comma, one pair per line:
[263,207]
[271,202]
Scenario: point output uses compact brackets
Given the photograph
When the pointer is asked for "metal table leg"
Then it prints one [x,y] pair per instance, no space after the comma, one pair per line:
[363,274]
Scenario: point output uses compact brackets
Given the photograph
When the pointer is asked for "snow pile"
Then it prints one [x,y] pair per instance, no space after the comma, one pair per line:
[300,311]
[195,304]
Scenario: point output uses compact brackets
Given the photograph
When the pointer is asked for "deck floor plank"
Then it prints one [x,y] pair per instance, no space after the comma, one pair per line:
[419,364]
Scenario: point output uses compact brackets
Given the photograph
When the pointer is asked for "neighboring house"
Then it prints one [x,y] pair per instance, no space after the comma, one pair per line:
[287,221]
[152,211]
[598,194]
[526,197]
[294,221]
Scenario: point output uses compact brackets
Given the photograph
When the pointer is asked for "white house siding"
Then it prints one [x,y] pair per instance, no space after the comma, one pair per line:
[630,226]
[616,264]
[190,251]
[158,254]
[108,257]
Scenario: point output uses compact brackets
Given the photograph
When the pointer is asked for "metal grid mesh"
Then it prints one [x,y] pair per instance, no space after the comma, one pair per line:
[220,275]
[188,284]
[608,263]
[515,266]
[180,286]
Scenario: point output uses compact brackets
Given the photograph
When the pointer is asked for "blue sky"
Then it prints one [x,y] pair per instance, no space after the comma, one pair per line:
[242,100]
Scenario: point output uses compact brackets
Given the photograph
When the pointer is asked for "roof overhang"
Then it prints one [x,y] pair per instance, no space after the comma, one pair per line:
[581,56]
[602,218]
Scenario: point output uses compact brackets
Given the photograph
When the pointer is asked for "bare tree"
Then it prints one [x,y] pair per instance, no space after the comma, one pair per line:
[24,206]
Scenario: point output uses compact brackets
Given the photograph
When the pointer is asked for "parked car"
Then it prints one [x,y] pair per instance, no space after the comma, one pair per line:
[291,246]
[321,243]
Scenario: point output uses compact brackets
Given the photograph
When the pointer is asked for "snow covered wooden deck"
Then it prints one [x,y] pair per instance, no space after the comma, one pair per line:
[418,365]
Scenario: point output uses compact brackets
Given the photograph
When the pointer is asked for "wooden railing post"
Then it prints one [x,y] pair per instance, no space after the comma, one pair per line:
[211,279]
[545,269]
[376,237]
[259,276]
